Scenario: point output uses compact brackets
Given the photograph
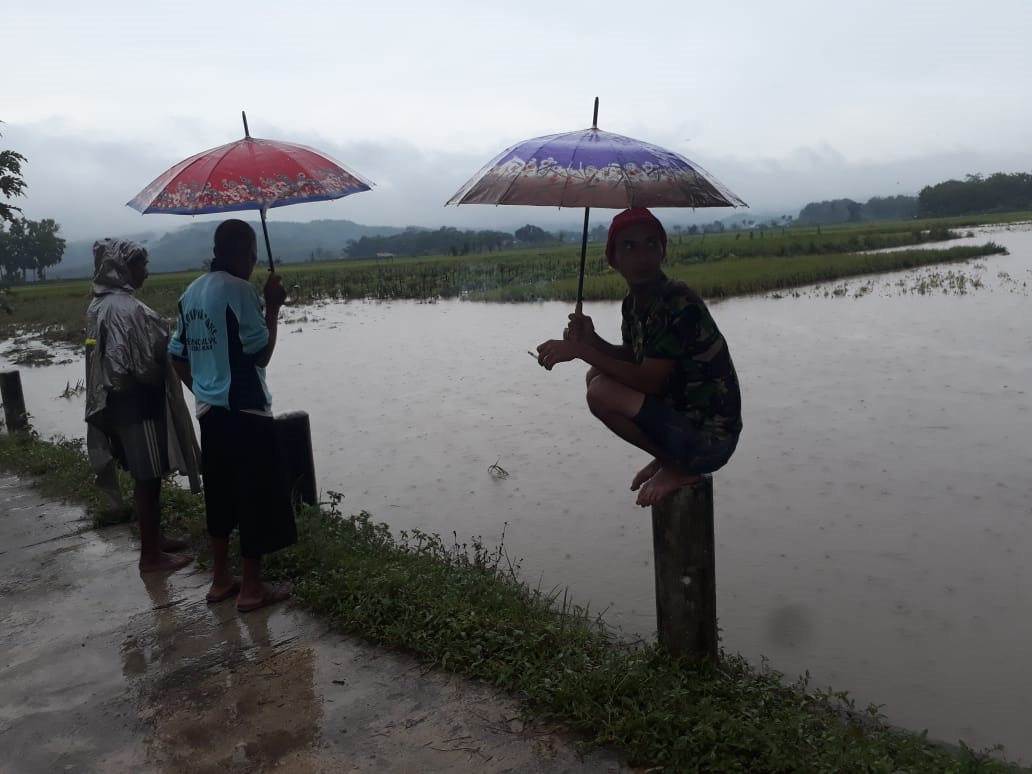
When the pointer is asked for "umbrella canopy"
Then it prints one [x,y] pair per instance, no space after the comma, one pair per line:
[249,174]
[593,168]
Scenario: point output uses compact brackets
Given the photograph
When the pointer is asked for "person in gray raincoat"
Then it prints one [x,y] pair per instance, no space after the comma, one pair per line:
[136,416]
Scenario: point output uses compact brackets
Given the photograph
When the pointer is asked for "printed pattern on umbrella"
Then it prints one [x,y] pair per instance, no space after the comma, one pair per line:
[593,168]
[216,181]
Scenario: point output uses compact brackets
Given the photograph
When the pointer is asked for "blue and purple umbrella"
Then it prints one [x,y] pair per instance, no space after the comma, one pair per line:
[593,168]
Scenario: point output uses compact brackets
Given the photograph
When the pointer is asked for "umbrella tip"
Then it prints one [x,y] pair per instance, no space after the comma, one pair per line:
[594,118]
[247,132]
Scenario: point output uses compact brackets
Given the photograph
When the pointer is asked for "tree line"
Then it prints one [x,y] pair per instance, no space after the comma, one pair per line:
[835,211]
[976,195]
[416,242]
[27,247]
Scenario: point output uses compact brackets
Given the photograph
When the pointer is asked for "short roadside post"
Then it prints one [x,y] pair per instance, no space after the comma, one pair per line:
[15,416]
[685,560]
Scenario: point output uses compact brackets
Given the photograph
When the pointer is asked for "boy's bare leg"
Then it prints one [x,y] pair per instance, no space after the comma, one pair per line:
[223,584]
[251,587]
[146,495]
[616,405]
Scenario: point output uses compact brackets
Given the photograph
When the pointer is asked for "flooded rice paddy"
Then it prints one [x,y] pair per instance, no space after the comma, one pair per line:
[874,527]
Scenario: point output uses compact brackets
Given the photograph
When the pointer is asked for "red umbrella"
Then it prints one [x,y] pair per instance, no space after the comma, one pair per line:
[249,174]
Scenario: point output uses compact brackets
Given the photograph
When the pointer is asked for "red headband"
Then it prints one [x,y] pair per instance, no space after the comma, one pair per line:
[632,218]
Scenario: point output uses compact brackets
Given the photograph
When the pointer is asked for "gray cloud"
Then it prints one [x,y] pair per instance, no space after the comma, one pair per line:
[84,183]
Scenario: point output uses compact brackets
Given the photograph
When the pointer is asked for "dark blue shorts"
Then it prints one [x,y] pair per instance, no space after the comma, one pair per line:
[687,448]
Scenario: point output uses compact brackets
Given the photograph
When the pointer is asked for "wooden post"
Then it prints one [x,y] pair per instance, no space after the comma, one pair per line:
[685,559]
[14,401]
[296,459]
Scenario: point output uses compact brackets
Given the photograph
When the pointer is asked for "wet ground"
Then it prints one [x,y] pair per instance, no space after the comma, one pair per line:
[104,670]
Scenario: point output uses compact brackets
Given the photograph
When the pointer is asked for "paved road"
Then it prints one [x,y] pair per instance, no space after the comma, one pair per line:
[102,670]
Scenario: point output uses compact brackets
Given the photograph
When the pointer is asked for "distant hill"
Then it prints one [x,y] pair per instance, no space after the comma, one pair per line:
[188,247]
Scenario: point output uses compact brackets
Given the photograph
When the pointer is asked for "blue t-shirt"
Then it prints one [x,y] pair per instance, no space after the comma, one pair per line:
[221,332]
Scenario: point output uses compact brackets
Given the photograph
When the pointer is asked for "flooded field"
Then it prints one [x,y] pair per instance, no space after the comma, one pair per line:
[873,527]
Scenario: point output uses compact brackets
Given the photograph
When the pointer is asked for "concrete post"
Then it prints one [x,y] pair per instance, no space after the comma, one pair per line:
[685,560]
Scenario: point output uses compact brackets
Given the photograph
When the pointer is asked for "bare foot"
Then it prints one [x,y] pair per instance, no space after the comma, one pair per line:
[165,563]
[663,484]
[172,545]
[645,474]
[269,594]
[222,590]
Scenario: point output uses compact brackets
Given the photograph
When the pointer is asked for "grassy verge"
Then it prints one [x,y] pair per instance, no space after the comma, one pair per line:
[463,607]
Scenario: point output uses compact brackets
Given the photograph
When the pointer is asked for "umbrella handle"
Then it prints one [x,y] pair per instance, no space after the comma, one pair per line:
[583,257]
[584,235]
[268,248]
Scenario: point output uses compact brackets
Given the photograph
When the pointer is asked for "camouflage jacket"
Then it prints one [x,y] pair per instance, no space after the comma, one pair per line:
[703,384]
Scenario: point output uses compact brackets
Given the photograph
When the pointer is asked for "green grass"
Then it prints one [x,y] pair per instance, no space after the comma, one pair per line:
[463,606]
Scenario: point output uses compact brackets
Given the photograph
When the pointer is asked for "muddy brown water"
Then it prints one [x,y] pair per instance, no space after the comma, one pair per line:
[873,528]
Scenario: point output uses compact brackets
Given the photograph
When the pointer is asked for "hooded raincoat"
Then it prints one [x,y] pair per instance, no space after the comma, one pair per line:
[126,348]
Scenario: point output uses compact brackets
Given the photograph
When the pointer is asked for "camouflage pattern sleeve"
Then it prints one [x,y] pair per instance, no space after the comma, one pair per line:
[703,382]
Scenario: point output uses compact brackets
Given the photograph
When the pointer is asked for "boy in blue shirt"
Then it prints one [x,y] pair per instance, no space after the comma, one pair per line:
[222,344]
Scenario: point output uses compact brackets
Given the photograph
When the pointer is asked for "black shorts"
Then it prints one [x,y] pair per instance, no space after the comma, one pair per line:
[244,486]
[686,447]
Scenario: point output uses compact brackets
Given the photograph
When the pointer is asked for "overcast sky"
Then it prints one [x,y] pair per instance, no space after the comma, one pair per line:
[784,102]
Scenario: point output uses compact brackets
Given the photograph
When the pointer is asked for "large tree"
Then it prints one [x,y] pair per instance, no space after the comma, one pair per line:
[43,244]
[11,183]
[25,245]
[532,234]
[29,247]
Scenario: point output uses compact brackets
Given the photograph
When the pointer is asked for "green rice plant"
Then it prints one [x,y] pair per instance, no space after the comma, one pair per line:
[717,265]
